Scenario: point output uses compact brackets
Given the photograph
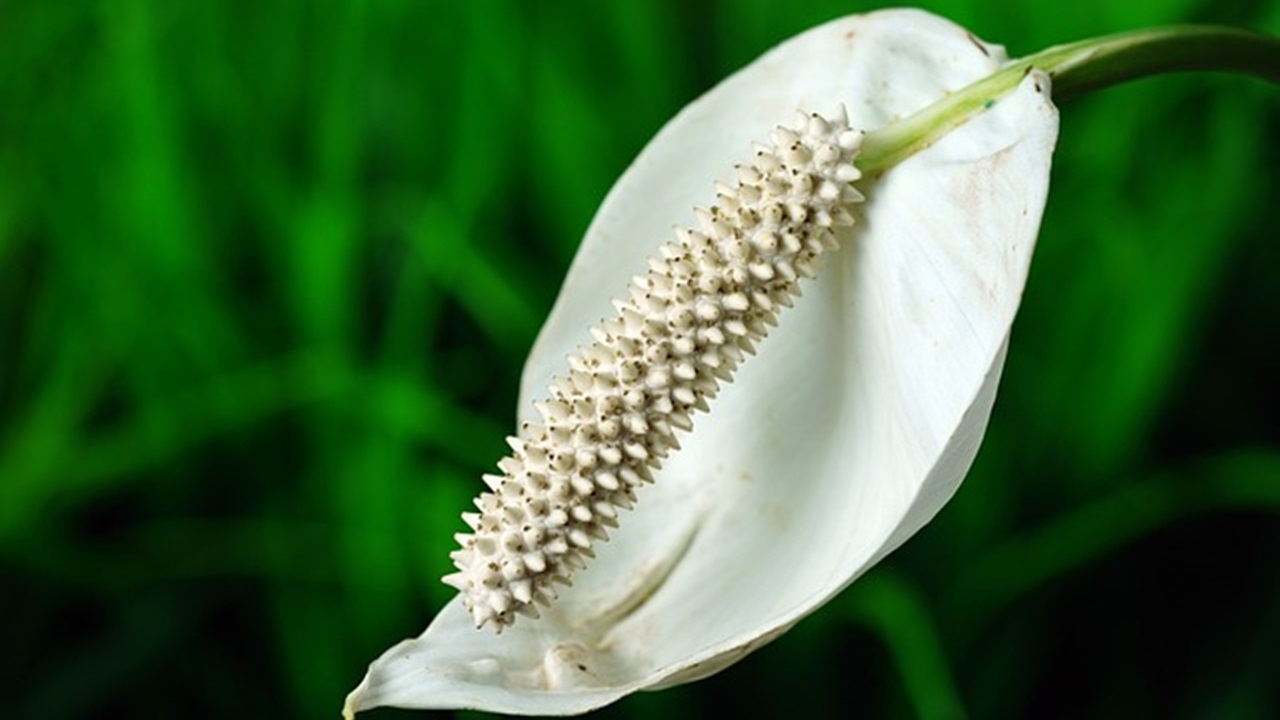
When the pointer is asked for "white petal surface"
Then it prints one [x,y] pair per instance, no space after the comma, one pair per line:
[849,430]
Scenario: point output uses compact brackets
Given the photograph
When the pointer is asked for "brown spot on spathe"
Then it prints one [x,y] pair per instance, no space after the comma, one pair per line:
[977,43]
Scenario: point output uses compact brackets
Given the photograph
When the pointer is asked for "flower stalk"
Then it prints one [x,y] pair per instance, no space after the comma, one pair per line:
[1076,69]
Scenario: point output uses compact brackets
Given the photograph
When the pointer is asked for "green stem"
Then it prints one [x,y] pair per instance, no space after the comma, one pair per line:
[1076,69]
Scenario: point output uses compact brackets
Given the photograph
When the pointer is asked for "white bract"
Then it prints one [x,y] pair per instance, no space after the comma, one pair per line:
[854,423]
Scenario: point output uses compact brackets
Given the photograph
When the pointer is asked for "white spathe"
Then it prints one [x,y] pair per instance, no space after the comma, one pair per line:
[847,432]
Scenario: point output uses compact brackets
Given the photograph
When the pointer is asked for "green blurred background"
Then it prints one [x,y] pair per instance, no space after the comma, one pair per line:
[268,271]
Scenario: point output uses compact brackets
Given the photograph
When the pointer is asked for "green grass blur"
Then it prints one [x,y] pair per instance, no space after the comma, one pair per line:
[268,272]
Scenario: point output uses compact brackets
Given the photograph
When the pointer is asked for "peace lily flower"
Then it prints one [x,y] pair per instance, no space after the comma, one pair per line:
[852,425]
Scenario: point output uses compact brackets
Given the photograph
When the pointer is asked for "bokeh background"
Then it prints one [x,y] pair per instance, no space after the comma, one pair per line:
[268,271]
